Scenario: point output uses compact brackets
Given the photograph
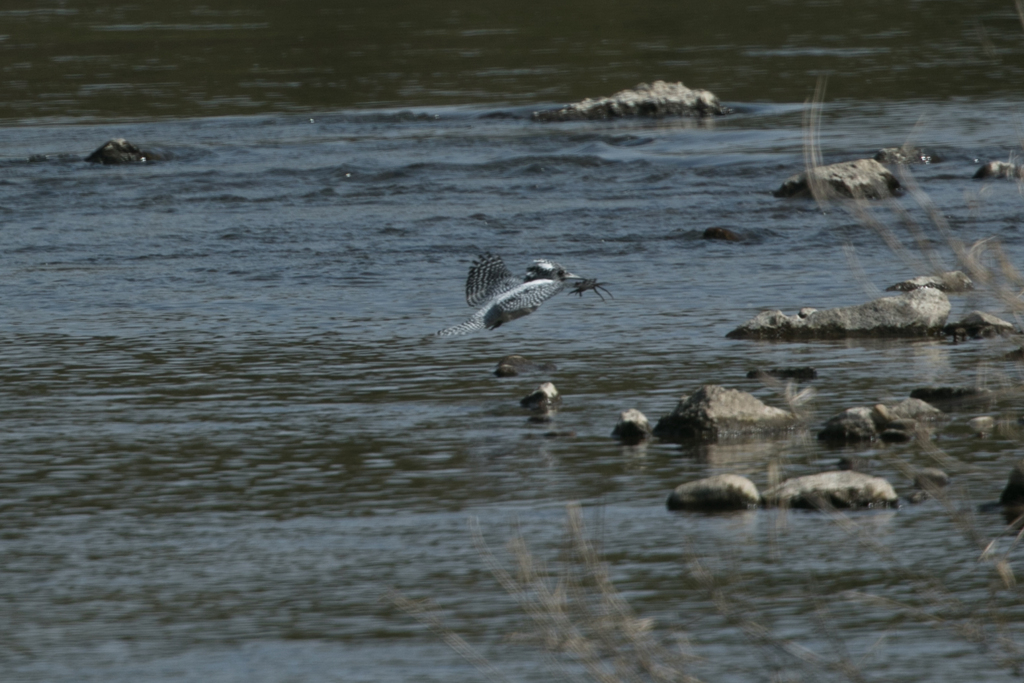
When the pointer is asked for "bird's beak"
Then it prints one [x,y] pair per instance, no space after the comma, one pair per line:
[570,276]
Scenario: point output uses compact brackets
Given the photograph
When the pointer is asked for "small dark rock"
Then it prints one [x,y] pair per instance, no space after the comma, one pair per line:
[1013,494]
[721,234]
[799,374]
[950,398]
[852,463]
[860,179]
[118,151]
[511,366]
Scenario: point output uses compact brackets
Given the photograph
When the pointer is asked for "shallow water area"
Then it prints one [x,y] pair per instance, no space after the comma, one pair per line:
[227,427]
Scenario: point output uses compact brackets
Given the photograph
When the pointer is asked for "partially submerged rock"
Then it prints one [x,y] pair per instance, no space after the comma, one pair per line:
[840,489]
[713,412]
[724,234]
[918,313]
[951,282]
[978,324]
[904,156]
[1011,502]
[1000,169]
[983,425]
[860,179]
[513,365]
[544,399]
[632,427]
[658,100]
[804,374]
[715,494]
[1013,493]
[888,423]
[928,482]
[950,398]
[118,151]
[853,424]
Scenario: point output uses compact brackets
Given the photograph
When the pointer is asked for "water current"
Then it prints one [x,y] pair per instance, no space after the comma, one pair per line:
[226,427]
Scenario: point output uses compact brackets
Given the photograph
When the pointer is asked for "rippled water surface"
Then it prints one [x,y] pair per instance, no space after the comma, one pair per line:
[226,427]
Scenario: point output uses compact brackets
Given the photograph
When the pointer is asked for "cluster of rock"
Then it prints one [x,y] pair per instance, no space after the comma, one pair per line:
[824,490]
[920,310]
[900,422]
[845,489]
[658,99]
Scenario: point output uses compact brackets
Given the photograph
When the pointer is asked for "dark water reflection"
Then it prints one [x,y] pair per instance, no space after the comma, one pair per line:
[100,59]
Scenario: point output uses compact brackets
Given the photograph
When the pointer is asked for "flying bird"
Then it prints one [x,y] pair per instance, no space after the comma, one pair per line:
[503,297]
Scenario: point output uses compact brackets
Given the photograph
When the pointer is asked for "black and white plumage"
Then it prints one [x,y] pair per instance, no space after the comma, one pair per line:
[502,296]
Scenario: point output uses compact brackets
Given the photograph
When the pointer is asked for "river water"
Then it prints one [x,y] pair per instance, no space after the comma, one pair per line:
[226,430]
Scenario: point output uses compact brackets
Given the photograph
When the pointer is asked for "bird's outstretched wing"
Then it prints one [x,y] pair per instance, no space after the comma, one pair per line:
[488,276]
[472,325]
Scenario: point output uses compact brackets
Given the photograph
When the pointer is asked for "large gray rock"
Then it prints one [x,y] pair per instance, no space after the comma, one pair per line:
[860,179]
[721,492]
[918,313]
[714,412]
[1000,169]
[950,282]
[658,99]
[840,489]
[632,427]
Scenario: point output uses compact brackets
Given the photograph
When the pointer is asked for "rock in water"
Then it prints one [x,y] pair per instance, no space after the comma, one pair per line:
[513,365]
[918,313]
[840,489]
[632,427]
[713,412]
[1000,169]
[718,493]
[979,324]
[860,179]
[658,99]
[904,156]
[951,282]
[544,399]
[118,151]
